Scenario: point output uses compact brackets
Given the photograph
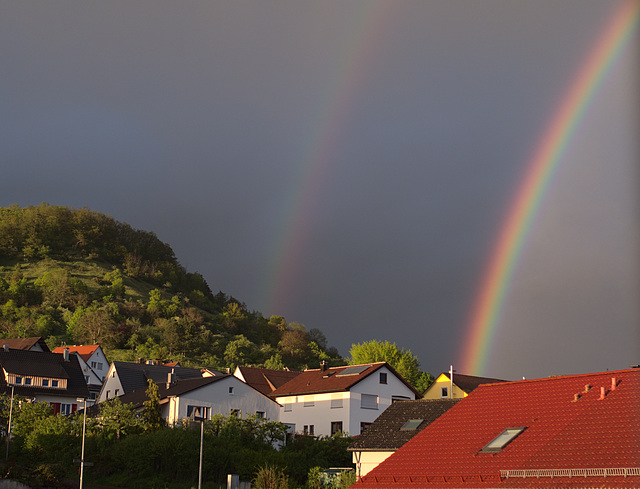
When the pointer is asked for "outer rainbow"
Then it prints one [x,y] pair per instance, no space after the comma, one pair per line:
[489,302]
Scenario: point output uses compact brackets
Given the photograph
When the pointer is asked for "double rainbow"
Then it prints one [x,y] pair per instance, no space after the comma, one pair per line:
[563,125]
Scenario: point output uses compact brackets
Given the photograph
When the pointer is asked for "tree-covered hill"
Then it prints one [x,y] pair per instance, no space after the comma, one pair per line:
[77,276]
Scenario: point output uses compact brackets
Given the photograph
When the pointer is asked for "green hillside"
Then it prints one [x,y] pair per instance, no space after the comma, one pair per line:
[76,276]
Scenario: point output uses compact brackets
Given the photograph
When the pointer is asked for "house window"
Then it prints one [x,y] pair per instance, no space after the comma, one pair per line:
[99,365]
[86,379]
[27,381]
[45,382]
[116,392]
[54,383]
[287,407]
[336,403]
[383,377]
[336,427]
[308,430]
[18,380]
[368,401]
[260,414]
[305,429]
[94,364]
[364,426]
[231,390]
[502,440]
[235,412]
[65,408]
[311,429]
[309,401]
[444,392]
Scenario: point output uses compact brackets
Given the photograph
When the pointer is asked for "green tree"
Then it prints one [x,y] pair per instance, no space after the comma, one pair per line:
[403,361]
[117,419]
[151,412]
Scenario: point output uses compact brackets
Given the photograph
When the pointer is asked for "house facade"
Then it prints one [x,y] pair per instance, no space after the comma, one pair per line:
[575,431]
[346,399]
[393,428]
[44,377]
[462,385]
[206,396]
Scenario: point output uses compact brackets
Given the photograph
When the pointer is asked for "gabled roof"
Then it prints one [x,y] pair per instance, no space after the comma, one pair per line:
[579,431]
[180,387]
[387,433]
[43,364]
[134,375]
[333,379]
[469,382]
[25,343]
[266,380]
[85,351]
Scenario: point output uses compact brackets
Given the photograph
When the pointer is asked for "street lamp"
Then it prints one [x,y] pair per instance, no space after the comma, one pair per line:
[9,426]
[84,427]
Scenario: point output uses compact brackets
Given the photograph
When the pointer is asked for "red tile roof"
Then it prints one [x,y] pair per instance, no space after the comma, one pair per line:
[569,426]
[85,351]
[329,380]
[266,380]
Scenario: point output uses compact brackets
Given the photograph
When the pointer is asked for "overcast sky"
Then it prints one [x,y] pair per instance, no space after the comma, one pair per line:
[347,165]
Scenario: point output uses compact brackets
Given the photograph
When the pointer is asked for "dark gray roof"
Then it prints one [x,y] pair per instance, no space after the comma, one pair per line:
[137,397]
[134,376]
[43,364]
[469,382]
[386,432]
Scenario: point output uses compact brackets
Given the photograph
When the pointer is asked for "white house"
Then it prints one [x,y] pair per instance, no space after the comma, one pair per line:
[205,396]
[93,363]
[344,399]
[126,377]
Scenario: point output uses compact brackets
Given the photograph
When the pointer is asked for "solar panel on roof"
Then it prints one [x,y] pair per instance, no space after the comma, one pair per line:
[411,424]
[356,370]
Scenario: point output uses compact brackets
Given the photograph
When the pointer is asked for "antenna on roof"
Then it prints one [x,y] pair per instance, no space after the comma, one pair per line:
[451,380]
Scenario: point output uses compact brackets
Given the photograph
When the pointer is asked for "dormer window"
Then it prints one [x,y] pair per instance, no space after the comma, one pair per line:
[502,440]
[18,380]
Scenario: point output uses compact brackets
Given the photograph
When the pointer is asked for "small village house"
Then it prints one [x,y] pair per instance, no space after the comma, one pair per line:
[345,399]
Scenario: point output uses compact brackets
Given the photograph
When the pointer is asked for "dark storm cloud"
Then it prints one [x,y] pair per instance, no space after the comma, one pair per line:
[195,121]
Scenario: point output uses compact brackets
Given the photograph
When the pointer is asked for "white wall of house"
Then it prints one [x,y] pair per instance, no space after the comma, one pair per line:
[363,403]
[111,386]
[99,364]
[224,396]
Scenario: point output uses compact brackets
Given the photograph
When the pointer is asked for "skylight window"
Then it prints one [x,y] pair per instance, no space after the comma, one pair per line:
[356,370]
[411,425]
[502,440]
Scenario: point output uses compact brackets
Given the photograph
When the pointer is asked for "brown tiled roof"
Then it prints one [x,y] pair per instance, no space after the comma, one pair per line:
[43,364]
[24,343]
[386,432]
[266,380]
[329,380]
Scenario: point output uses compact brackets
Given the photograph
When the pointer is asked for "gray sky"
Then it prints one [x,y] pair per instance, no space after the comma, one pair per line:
[347,165]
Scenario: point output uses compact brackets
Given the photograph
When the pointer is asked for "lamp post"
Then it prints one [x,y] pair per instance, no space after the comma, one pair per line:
[9,426]
[84,427]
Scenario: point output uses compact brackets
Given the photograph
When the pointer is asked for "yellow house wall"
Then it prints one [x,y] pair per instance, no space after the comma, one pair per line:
[365,462]
[435,390]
